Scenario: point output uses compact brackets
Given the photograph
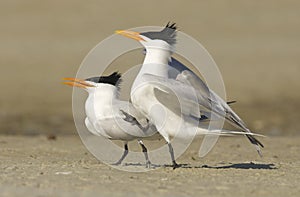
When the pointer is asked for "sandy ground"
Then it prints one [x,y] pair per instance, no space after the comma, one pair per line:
[37,166]
[255,44]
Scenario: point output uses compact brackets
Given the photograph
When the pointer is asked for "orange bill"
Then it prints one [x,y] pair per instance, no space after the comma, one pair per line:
[74,82]
[130,34]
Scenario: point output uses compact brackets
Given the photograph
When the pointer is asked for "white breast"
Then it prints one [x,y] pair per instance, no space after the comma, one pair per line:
[144,99]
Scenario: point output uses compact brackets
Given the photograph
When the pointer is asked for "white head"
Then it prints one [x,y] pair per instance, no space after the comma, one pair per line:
[94,83]
[164,39]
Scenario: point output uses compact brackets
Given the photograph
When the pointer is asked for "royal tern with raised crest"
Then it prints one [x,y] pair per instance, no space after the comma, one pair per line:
[154,84]
[109,117]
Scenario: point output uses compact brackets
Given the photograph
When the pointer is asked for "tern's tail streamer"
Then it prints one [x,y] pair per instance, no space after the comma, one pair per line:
[212,137]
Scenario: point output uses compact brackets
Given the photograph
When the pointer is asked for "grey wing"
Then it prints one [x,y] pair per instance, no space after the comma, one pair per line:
[208,99]
[179,98]
[96,131]
[212,102]
[176,67]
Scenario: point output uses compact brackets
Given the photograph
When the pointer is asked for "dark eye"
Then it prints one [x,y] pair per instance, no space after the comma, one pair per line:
[144,51]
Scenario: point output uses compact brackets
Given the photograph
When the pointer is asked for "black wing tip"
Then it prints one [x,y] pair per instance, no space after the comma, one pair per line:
[254,141]
[230,102]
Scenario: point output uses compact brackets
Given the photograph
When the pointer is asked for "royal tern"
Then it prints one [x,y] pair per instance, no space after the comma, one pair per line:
[110,117]
[145,94]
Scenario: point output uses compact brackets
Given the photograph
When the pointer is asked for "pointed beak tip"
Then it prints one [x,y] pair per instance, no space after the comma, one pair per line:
[74,82]
[68,83]
[118,31]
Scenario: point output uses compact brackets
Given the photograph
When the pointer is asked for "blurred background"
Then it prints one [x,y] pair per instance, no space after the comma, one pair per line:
[256,45]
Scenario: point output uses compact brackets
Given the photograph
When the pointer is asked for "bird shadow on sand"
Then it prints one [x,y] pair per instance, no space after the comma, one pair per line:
[248,165]
[154,166]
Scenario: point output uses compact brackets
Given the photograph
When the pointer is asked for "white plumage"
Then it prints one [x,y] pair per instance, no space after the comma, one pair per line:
[154,93]
[109,117]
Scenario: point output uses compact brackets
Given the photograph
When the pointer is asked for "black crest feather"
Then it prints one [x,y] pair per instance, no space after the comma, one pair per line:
[171,26]
[113,79]
[168,34]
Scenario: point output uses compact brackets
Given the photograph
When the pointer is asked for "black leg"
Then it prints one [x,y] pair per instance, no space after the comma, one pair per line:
[175,165]
[148,163]
[124,155]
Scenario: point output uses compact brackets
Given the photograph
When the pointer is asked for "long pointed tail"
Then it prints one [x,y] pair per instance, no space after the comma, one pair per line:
[232,133]
[248,134]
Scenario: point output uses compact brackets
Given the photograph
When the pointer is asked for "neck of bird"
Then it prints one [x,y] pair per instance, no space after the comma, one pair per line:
[156,63]
[100,101]
[157,55]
